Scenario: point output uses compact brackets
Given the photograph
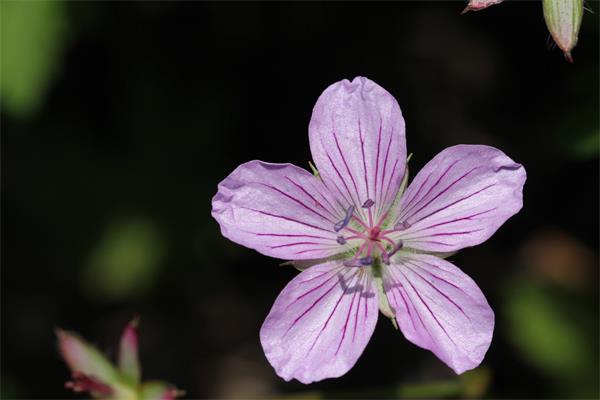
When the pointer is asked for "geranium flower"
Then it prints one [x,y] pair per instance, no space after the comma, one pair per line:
[364,243]
[93,373]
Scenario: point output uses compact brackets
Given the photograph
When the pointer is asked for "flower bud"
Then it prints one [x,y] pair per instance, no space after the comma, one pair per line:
[129,363]
[476,5]
[563,19]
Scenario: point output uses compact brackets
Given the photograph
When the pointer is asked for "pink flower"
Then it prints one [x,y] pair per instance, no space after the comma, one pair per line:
[364,243]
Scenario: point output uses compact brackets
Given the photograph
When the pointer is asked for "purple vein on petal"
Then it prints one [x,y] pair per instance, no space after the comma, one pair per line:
[286,218]
[468,218]
[406,210]
[416,195]
[309,250]
[317,202]
[294,244]
[291,235]
[362,150]
[438,277]
[438,290]
[430,312]
[320,275]
[416,238]
[377,195]
[351,201]
[395,279]
[331,314]
[449,205]
[363,279]
[314,304]
[387,153]
[431,242]
[387,189]
[295,200]
[357,286]
[335,211]
[347,167]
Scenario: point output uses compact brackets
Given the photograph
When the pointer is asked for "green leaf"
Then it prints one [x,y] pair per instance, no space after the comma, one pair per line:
[31,40]
[125,262]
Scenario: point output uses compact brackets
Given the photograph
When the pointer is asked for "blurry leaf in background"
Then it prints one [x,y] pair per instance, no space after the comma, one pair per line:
[578,135]
[559,258]
[125,262]
[470,385]
[427,390]
[576,128]
[32,37]
[551,332]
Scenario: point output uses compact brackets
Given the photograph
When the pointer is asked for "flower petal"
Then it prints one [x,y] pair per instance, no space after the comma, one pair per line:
[440,308]
[321,322]
[358,143]
[279,210]
[460,198]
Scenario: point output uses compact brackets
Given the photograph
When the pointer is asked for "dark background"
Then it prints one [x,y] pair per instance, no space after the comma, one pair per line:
[120,119]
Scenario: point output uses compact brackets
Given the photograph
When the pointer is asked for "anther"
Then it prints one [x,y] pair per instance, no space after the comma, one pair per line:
[385,258]
[402,225]
[343,223]
[368,204]
[398,246]
[366,261]
[359,262]
[341,240]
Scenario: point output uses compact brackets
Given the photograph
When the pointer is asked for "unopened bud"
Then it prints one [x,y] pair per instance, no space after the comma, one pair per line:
[563,19]
[476,5]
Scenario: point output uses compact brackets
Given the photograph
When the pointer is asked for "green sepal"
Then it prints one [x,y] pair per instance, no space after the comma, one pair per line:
[384,305]
[314,169]
[563,19]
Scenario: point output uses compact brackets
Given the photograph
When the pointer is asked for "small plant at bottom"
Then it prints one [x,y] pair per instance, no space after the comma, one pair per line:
[93,373]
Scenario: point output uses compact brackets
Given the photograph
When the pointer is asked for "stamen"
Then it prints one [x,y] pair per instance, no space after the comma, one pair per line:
[341,240]
[352,263]
[359,262]
[366,261]
[402,225]
[397,247]
[343,223]
[384,256]
[368,204]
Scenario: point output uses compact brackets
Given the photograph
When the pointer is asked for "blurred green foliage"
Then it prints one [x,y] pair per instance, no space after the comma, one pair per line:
[551,330]
[32,37]
[125,262]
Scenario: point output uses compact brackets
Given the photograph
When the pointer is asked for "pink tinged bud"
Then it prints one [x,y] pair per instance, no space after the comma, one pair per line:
[477,5]
[129,363]
[563,19]
[85,360]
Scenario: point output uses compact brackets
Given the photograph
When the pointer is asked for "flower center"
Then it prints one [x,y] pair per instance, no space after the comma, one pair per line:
[373,242]
[374,233]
